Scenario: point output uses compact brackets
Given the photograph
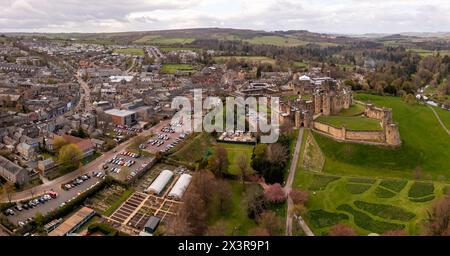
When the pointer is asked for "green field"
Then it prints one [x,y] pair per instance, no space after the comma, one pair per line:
[159,40]
[444,115]
[424,144]
[234,150]
[235,220]
[351,122]
[353,110]
[424,53]
[173,68]
[195,149]
[355,201]
[255,59]
[132,51]
[276,40]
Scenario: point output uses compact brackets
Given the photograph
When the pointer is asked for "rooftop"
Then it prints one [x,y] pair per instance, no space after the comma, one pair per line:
[119,112]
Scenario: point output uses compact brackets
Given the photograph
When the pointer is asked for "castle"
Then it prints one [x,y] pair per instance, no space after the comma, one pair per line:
[328,97]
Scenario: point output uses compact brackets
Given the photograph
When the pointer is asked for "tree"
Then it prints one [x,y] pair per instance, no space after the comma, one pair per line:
[438,221]
[418,173]
[254,199]
[191,218]
[271,222]
[299,196]
[342,229]
[274,193]
[223,192]
[243,167]
[58,143]
[69,157]
[218,162]
[276,153]
[204,183]
[217,229]
[398,232]
[258,231]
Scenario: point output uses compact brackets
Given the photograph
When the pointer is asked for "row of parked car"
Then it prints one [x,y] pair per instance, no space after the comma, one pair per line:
[75,182]
[130,154]
[32,203]
[120,161]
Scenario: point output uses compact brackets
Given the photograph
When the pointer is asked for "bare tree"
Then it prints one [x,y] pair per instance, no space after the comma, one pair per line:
[244,168]
[438,222]
[218,162]
[299,196]
[271,222]
[342,229]
[223,195]
[276,153]
[204,183]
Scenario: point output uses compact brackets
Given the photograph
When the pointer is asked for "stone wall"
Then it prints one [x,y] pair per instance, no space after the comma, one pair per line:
[344,134]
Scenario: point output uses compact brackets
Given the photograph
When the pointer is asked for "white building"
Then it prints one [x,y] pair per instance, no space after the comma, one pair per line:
[160,182]
[180,187]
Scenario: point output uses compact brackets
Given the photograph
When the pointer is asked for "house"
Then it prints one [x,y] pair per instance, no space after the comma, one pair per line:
[25,150]
[98,144]
[12,172]
[45,165]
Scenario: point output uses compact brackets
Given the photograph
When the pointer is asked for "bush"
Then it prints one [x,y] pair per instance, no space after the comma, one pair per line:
[393,184]
[389,212]
[320,182]
[362,180]
[421,189]
[364,221]
[321,218]
[383,193]
[357,188]
[105,229]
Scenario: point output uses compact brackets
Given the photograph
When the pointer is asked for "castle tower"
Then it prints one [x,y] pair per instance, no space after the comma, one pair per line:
[392,135]
[298,120]
[307,118]
[317,103]
[326,105]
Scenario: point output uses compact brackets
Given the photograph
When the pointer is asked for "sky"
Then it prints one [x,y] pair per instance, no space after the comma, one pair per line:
[325,16]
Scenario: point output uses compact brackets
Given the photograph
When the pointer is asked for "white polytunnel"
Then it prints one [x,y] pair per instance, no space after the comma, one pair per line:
[160,182]
[180,186]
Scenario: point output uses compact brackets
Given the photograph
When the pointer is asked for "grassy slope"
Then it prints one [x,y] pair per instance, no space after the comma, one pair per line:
[444,115]
[353,110]
[262,59]
[425,144]
[194,150]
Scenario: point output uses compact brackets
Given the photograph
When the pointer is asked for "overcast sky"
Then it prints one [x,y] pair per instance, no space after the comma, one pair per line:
[329,16]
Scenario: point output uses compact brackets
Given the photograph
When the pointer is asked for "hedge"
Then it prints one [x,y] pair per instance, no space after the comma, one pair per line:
[357,188]
[421,189]
[385,211]
[321,218]
[393,184]
[366,222]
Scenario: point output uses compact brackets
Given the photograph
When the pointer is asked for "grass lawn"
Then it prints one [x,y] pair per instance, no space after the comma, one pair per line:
[364,210]
[195,149]
[262,59]
[173,68]
[234,150]
[351,122]
[444,115]
[90,158]
[353,110]
[424,144]
[132,51]
[149,39]
[235,220]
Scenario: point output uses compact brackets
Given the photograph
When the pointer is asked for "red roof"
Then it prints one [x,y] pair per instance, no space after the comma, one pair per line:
[84,144]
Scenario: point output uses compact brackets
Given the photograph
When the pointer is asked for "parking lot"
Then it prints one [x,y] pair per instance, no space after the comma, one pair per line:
[165,139]
[126,165]
[44,207]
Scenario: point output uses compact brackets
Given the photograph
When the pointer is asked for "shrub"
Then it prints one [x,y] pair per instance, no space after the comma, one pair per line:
[321,218]
[357,188]
[421,189]
[274,193]
[389,212]
[383,193]
[364,221]
[393,184]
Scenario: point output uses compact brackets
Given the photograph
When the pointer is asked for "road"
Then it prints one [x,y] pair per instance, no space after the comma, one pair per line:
[86,96]
[94,165]
[288,188]
[439,119]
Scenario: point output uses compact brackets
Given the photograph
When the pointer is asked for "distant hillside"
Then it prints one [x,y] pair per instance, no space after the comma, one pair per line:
[187,36]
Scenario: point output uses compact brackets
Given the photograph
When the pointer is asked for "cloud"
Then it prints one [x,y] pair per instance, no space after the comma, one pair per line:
[347,16]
